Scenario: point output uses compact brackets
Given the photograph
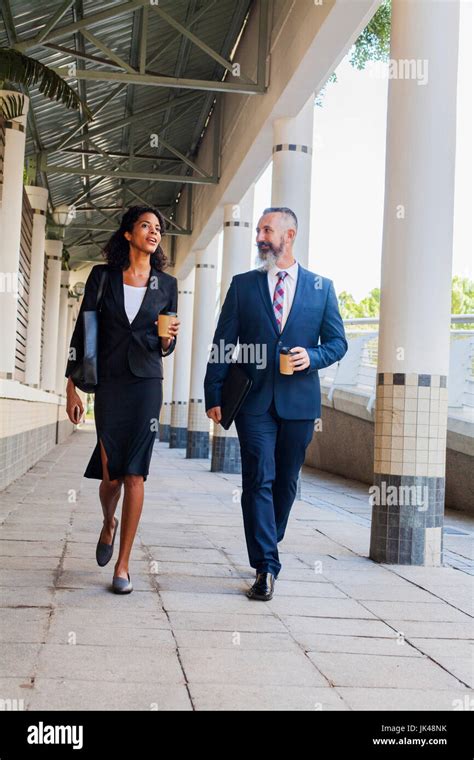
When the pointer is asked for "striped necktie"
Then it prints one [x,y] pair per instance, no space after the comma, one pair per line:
[278,298]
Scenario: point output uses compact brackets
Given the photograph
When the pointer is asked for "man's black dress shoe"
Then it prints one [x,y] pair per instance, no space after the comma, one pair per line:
[263,587]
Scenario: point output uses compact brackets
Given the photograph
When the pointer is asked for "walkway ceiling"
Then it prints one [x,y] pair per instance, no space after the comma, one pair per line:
[151,73]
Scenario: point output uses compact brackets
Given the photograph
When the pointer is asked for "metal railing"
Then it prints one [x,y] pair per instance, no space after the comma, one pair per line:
[359,366]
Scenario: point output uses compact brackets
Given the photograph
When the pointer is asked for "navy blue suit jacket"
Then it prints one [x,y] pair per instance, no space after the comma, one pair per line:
[247,317]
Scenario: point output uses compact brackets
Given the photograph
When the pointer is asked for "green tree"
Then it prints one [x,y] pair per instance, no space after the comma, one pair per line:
[462,301]
[373,44]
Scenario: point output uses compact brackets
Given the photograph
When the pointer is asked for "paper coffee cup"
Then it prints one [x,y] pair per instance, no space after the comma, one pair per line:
[164,321]
[286,367]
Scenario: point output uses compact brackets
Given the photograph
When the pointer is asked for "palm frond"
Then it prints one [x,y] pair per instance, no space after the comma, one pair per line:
[11,107]
[19,68]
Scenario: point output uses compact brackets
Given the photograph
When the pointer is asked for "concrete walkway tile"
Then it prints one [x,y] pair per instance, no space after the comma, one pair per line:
[112,663]
[238,640]
[15,694]
[189,569]
[241,697]
[344,626]
[380,671]
[178,601]
[322,607]
[18,659]
[414,629]
[114,618]
[428,612]
[100,596]
[232,666]
[205,621]
[53,694]
[405,699]
[390,647]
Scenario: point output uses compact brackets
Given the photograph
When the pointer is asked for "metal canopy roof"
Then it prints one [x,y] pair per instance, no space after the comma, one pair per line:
[146,70]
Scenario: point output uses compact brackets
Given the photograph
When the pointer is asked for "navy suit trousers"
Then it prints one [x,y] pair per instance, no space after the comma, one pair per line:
[272,451]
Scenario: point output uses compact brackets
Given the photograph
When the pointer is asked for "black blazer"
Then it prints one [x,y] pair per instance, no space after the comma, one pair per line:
[121,343]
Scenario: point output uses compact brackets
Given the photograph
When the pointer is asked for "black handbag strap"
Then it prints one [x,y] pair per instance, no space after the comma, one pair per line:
[101,290]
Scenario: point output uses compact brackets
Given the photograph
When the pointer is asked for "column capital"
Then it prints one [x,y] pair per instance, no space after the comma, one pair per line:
[38,198]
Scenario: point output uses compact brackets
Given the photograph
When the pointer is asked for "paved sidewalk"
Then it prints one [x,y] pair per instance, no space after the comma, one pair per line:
[341,633]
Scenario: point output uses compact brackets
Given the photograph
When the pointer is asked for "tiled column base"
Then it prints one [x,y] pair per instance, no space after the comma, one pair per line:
[165,420]
[409,468]
[178,437]
[179,425]
[198,430]
[197,445]
[164,433]
[226,453]
[407,527]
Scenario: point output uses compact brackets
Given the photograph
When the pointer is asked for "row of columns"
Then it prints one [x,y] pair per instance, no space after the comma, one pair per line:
[44,367]
[183,422]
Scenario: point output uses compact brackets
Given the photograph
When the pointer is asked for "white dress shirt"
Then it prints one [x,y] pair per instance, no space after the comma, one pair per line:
[133,297]
[289,286]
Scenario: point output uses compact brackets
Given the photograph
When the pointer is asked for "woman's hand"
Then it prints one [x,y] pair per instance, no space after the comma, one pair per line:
[74,407]
[173,329]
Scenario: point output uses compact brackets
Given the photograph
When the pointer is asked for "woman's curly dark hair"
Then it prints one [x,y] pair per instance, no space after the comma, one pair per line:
[117,249]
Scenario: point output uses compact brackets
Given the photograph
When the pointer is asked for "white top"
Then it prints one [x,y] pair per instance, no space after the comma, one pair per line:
[289,285]
[133,297]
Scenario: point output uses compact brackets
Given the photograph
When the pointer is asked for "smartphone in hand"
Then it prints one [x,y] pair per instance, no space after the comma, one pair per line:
[77,414]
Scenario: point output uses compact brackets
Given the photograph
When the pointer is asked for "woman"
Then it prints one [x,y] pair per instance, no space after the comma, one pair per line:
[128,395]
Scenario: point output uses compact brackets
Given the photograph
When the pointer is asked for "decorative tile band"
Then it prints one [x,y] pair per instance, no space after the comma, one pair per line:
[205,266]
[292,147]
[39,211]
[236,224]
[410,424]
[15,125]
[412,378]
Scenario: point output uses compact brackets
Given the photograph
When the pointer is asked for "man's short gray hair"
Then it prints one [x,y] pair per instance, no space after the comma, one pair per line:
[282,210]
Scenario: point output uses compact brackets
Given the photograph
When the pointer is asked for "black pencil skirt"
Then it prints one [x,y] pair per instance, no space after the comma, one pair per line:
[127,410]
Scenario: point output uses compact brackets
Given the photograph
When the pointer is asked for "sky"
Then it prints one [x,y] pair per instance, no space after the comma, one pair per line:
[348,175]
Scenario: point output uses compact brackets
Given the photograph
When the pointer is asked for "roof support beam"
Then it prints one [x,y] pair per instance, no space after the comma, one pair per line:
[154,80]
[121,174]
[200,44]
[83,23]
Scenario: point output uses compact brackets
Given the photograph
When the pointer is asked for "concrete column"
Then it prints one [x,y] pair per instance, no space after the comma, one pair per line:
[291,174]
[70,322]
[413,361]
[11,202]
[165,414]
[182,365]
[38,197]
[51,320]
[236,258]
[62,334]
[205,289]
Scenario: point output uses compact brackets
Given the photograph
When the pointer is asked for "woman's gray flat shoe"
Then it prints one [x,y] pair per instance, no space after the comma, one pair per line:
[104,552]
[121,585]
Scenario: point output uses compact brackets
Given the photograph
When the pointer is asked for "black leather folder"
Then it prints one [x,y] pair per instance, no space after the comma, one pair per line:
[234,392]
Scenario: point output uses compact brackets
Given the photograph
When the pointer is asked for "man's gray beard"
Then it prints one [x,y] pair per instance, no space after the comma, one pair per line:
[266,261]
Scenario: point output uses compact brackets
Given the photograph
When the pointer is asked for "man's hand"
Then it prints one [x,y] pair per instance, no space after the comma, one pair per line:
[214,414]
[300,358]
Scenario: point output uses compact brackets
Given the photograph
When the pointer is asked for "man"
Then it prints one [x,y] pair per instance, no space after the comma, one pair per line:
[281,304]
